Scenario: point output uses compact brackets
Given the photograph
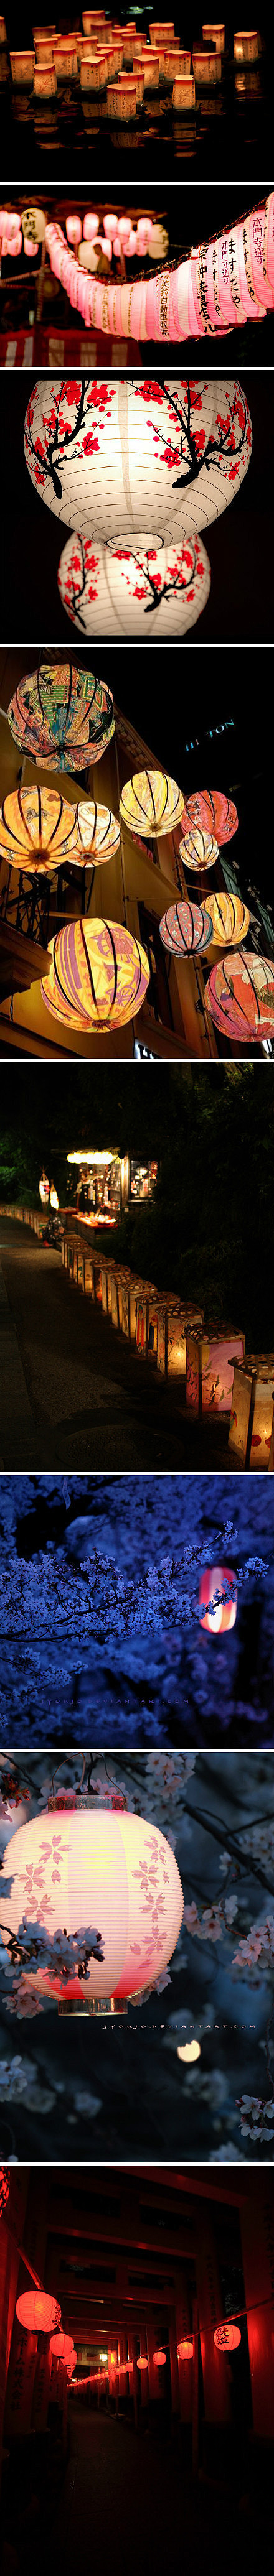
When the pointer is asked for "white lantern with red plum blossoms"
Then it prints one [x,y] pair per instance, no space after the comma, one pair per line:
[124,590]
[137,457]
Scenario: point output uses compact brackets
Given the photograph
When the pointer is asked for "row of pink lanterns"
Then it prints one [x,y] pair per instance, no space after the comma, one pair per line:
[118,235]
[220,286]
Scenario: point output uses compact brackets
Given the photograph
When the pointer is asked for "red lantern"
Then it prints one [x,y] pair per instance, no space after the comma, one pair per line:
[142,2361]
[37,2312]
[62,2345]
[213,1580]
[226,2337]
[159,2358]
[185,2349]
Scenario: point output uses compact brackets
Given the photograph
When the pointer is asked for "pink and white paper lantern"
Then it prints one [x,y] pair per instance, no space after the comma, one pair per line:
[185,457]
[216,289]
[115,591]
[116,1867]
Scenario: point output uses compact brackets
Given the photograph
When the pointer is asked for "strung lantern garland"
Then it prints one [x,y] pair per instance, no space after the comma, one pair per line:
[239,997]
[61,715]
[221,285]
[151,802]
[98,977]
[186,928]
[98,833]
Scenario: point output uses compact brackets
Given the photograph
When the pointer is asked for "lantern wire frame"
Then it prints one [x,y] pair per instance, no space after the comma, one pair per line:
[98,977]
[151,803]
[185,930]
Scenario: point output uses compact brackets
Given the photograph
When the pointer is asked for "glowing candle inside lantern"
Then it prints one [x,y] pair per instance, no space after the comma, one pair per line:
[224,1615]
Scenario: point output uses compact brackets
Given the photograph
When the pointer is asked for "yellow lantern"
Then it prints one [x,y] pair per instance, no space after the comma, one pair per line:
[98,832]
[151,803]
[230,919]
[98,976]
[199,850]
[38,830]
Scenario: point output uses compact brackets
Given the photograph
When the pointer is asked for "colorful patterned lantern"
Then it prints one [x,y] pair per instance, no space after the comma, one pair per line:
[151,803]
[61,715]
[98,833]
[213,813]
[34,2309]
[186,928]
[225,1614]
[227,2337]
[98,977]
[198,850]
[240,997]
[38,830]
[186,443]
[145,589]
[185,2349]
[108,1869]
[230,919]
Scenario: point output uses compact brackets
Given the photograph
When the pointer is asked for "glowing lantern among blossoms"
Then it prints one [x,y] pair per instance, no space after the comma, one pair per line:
[185,2349]
[35,2310]
[112,1870]
[61,715]
[230,919]
[38,830]
[225,1614]
[240,997]
[98,976]
[151,803]
[212,813]
[227,2337]
[198,850]
[186,443]
[186,929]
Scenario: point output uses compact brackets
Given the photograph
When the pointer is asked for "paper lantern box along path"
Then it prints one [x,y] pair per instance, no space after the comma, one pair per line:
[251,1432]
[114,1872]
[211,1361]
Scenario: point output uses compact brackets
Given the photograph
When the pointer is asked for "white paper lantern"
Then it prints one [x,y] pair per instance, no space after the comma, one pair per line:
[114,591]
[137,456]
[113,1871]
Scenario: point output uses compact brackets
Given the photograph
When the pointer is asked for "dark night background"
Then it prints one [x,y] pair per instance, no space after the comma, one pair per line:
[240,544]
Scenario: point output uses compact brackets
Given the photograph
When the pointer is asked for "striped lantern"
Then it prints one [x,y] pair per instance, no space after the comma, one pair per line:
[98,976]
[61,715]
[213,813]
[230,919]
[137,456]
[92,1867]
[38,830]
[151,803]
[186,928]
[239,997]
[198,850]
[37,2311]
[98,833]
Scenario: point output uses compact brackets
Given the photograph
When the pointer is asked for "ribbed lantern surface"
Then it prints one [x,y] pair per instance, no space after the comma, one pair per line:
[98,976]
[38,830]
[198,850]
[151,803]
[131,589]
[61,715]
[230,918]
[116,1872]
[36,2310]
[98,832]
[212,812]
[240,996]
[137,456]
[186,929]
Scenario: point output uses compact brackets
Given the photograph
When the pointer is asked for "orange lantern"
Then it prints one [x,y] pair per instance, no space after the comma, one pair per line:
[159,2358]
[227,2337]
[142,2362]
[110,1869]
[62,2346]
[185,2349]
[37,2312]
[213,1580]
[38,830]
[98,975]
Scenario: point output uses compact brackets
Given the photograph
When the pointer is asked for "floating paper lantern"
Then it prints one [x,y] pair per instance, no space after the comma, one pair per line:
[240,997]
[212,813]
[37,2312]
[225,1614]
[62,716]
[98,833]
[151,803]
[98,977]
[184,928]
[198,850]
[185,2349]
[149,591]
[38,830]
[230,918]
[187,445]
[227,2337]
[108,1869]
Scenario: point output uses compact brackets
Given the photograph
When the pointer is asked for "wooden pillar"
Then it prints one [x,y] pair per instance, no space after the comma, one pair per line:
[143,2374]
[257,2234]
[20,2383]
[183,2323]
[9,2269]
[195,2391]
[42,2381]
[174,2367]
[154,2375]
[210,2310]
[134,2375]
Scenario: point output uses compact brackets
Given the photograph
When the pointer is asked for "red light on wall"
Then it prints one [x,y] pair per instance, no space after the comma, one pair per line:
[37,2312]
[213,1580]
[226,2337]
[159,2358]
[185,2349]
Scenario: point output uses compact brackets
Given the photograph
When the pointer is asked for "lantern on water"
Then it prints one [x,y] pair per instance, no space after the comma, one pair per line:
[240,997]
[225,1614]
[98,833]
[98,977]
[227,2337]
[180,438]
[185,2349]
[213,812]
[37,2312]
[159,2358]
[37,830]
[186,928]
[198,850]
[61,715]
[115,1871]
[230,919]
[151,803]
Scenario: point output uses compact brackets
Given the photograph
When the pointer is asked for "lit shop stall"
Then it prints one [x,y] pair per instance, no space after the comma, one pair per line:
[103,1183]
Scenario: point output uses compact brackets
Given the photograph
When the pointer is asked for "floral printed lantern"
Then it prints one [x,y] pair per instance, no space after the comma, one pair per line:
[213,1580]
[212,813]
[94,1866]
[230,919]
[61,715]
[227,2337]
[98,833]
[240,997]
[37,2312]
[198,850]
[98,977]
[145,589]
[151,803]
[186,928]
[125,458]
[38,830]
